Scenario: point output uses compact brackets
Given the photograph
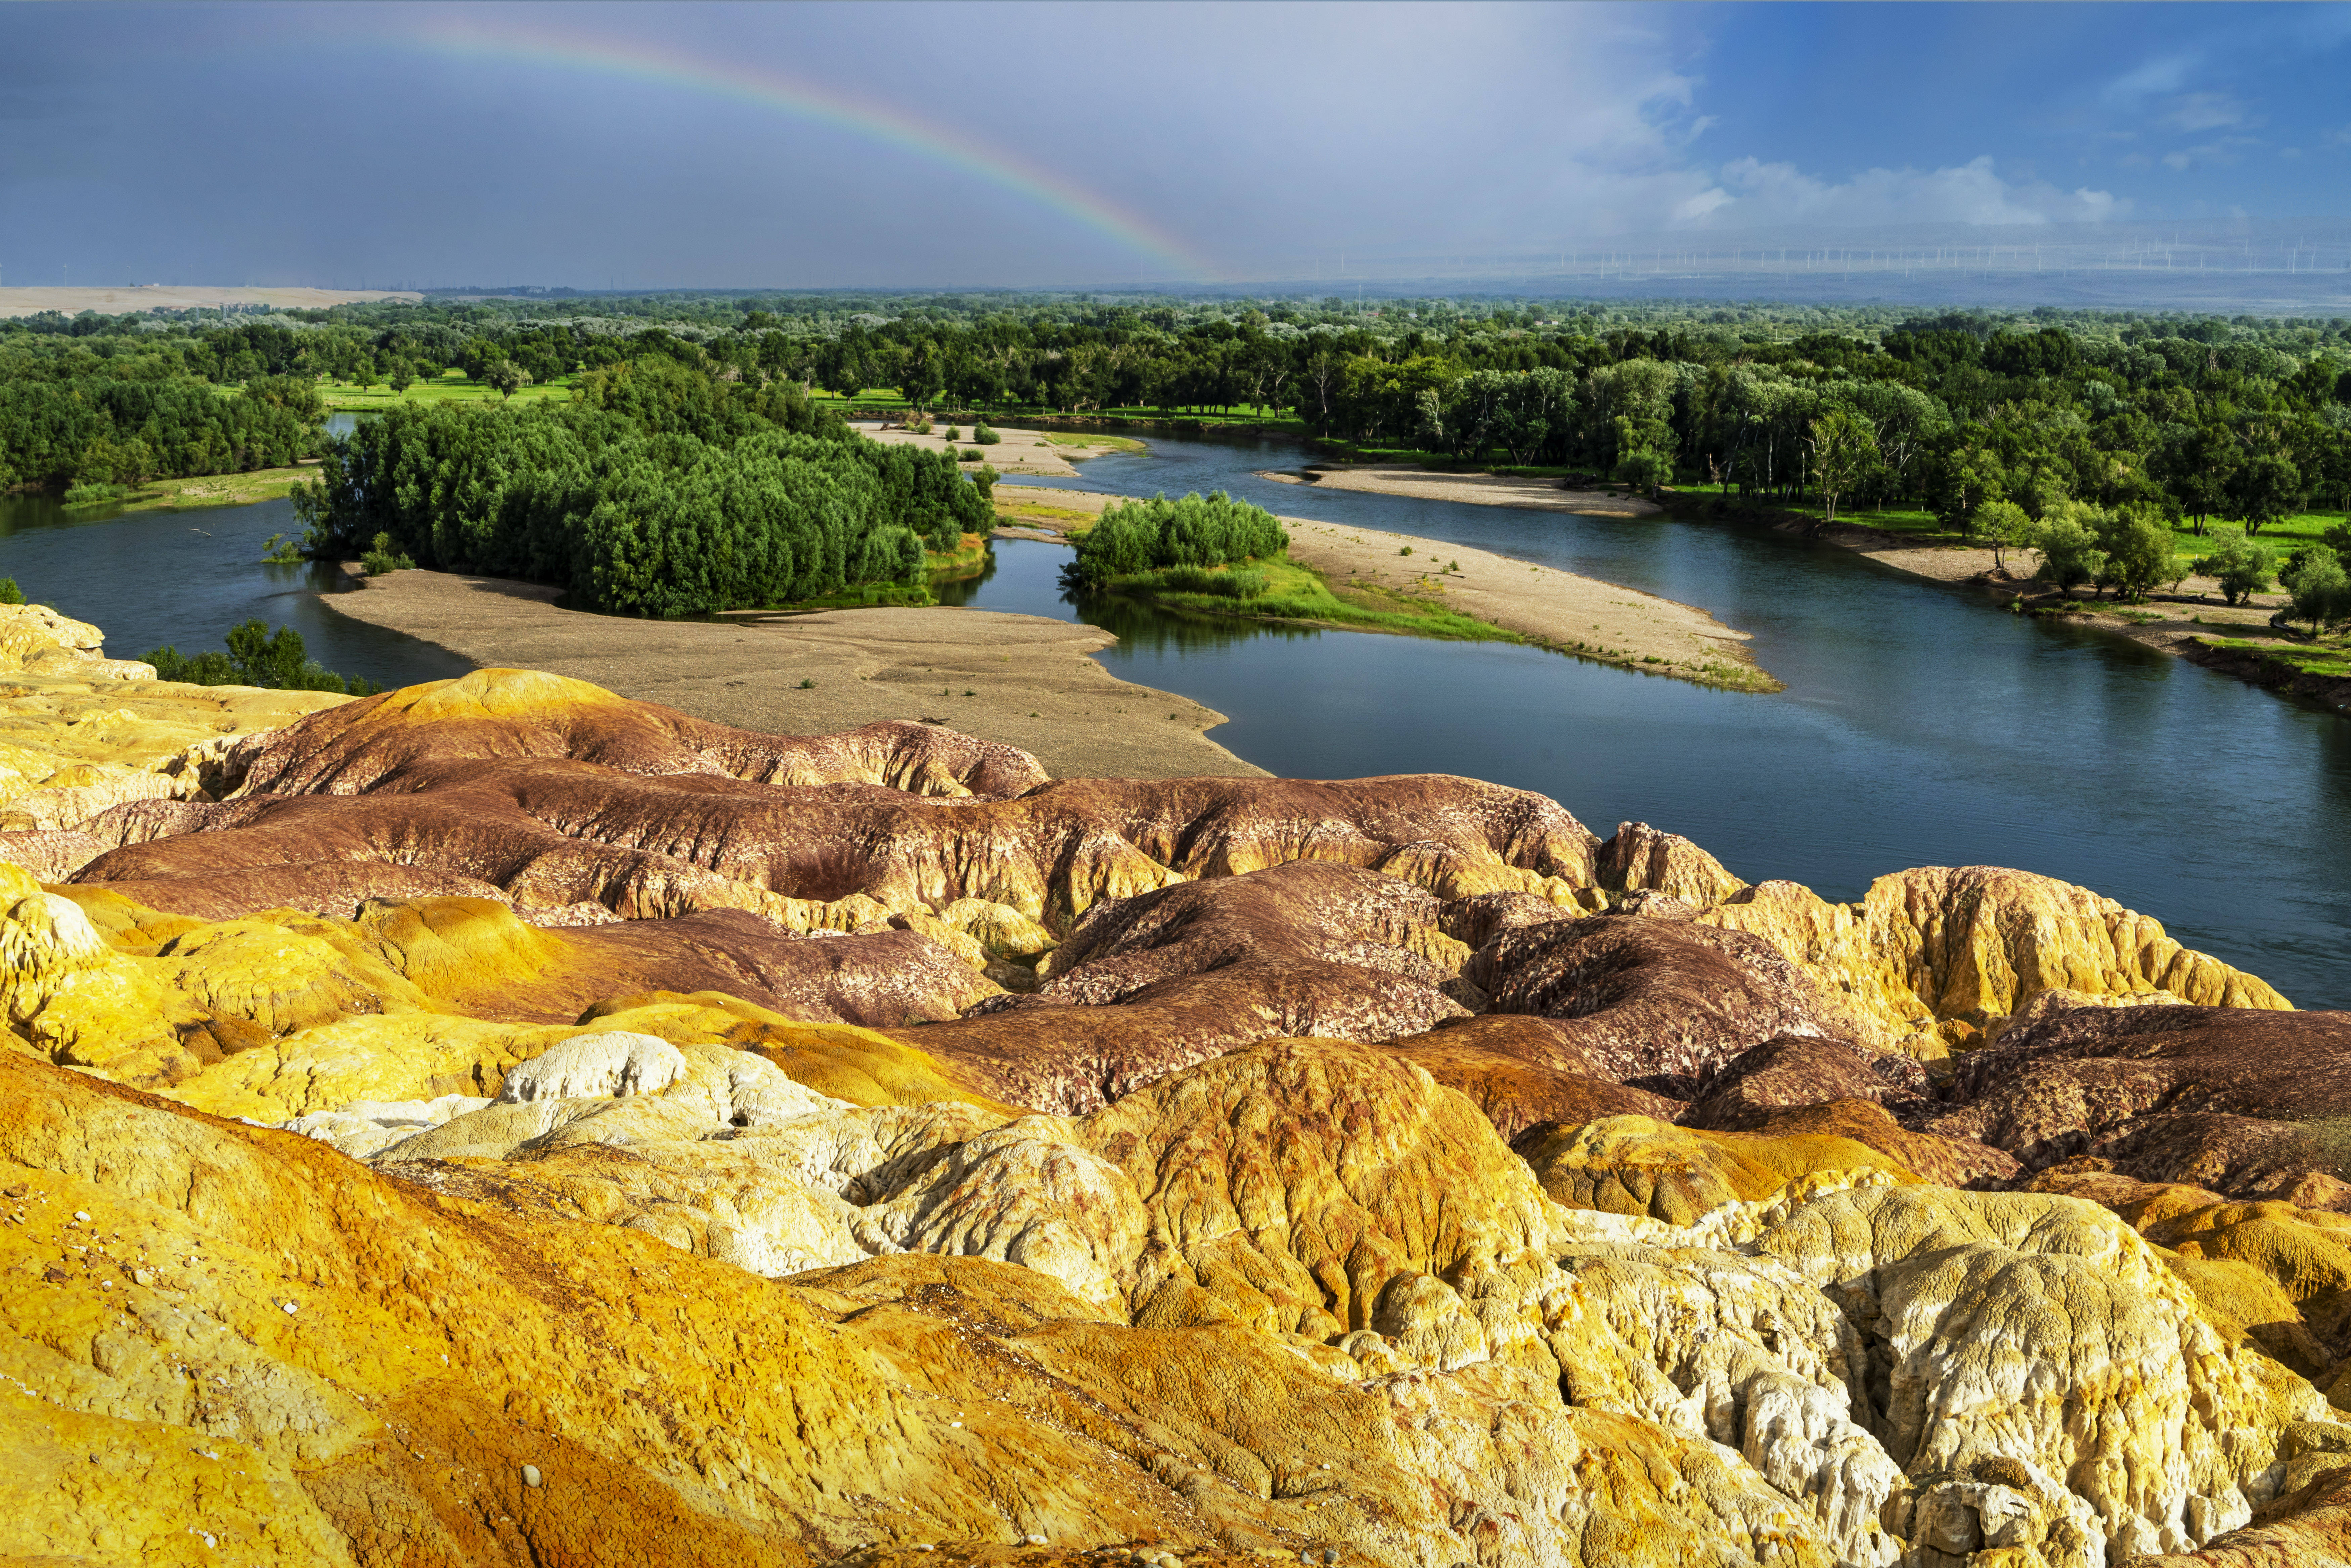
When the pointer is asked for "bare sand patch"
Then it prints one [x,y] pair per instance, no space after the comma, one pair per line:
[121,298]
[1021,679]
[1475,489]
[1030,452]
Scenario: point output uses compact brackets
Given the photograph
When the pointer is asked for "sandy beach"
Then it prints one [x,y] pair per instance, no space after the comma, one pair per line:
[1030,451]
[1021,679]
[1475,489]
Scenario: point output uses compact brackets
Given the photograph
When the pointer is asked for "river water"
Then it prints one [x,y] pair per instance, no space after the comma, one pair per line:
[1921,724]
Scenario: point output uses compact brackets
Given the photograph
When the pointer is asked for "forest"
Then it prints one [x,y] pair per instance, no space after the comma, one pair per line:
[2187,421]
[658,491]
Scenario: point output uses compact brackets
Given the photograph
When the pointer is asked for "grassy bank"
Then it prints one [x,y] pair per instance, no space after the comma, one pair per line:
[208,490]
[1278,589]
[2328,660]
[1916,526]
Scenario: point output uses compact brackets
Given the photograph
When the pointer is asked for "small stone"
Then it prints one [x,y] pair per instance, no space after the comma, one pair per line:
[290,1307]
[530,1474]
[1036,1540]
[82,1215]
[19,1190]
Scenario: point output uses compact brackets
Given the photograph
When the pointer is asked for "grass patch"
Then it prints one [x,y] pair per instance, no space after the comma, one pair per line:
[214,490]
[1114,443]
[968,558]
[450,386]
[2283,536]
[1276,588]
[1068,520]
[2333,661]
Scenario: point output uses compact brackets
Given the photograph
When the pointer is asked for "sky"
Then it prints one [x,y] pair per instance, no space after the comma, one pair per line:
[913,145]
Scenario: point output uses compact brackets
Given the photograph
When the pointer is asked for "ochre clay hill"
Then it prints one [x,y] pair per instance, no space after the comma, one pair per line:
[499,1123]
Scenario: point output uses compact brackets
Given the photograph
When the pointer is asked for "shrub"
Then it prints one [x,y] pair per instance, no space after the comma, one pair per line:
[1239,583]
[985,437]
[2243,567]
[973,454]
[2069,550]
[256,656]
[381,557]
[9,592]
[951,433]
[919,423]
[92,494]
[2321,589]
[1198,530]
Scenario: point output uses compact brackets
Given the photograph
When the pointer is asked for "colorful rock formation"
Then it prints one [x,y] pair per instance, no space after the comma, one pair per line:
[497,1121]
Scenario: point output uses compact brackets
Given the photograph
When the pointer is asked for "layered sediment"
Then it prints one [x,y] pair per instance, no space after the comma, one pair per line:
[501,1121]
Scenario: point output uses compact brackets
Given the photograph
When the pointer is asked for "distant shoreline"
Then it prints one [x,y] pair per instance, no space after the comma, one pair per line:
[121,299]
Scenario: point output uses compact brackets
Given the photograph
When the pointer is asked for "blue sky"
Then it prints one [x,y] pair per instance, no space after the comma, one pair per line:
[359,144]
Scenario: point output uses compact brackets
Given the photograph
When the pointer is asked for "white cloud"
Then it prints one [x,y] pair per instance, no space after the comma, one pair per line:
[1751,193]
[2204,111]
[2167,73]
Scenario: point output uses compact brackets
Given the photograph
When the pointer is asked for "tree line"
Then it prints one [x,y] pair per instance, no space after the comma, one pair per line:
[659,491]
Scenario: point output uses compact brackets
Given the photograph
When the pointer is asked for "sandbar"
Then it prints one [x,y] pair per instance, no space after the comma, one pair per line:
[1025,680]
[1474,489]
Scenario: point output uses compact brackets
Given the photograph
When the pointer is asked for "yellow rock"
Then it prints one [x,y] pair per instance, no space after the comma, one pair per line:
[80,733]
[1940,956]
[1632,1165]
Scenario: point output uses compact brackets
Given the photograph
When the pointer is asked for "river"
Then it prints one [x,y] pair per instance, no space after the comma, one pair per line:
[1921,725]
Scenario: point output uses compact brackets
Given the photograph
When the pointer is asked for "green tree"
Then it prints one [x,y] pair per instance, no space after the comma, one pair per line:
[1640,465]
[2003,526]
[2321,589]
[2243,567]
[2068,547]
[504,377]
[2265,489]
[2138,549]
[1841,454]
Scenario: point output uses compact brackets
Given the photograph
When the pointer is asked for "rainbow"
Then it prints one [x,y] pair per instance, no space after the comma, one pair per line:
[646,61]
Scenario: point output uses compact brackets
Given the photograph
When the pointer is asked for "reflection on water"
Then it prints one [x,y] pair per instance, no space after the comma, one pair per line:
[149,578]
[1921,725]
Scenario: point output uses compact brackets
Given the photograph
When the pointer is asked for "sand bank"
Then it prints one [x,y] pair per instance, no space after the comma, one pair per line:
[1021,679]
[1475,489]
[1036,452]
